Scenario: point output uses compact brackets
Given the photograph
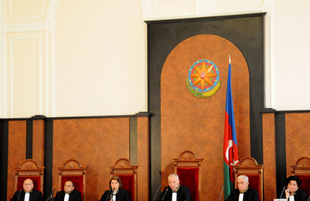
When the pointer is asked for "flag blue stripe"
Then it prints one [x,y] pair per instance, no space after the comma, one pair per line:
[229,106]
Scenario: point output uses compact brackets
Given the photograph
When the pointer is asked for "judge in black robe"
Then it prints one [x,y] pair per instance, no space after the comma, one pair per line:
[293,183]
[243,189]
[34,195]
[121,195]
[73,196]
[249,195]
[182,192]
[116,189]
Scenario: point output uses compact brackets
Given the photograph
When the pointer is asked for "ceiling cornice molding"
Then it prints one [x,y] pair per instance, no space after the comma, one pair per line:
[200,8]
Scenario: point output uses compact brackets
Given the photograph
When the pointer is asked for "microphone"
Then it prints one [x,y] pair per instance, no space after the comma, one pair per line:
[156,192]
[165,194]
[282,192]
[53,194]
[308,198]
[19,194]
[222,192]
[288,191]
[109,195]
[51,197]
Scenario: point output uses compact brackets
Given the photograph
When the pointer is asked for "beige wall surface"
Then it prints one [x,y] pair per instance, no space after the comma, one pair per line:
[78,58]
[99,58]
[290,55]
[72,58]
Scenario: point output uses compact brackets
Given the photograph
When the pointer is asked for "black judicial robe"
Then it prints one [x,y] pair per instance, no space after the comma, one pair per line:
[183,194]
[250,195]
[122,195]
[300,195]
[73,196]
[34,196]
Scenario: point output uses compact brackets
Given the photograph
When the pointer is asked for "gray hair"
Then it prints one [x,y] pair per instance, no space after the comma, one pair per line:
[173,174]
[246,178]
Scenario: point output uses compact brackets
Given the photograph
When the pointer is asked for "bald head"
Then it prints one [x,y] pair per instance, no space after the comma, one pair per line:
[28,185]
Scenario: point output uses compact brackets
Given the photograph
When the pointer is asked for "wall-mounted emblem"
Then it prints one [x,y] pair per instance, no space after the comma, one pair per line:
[203,78]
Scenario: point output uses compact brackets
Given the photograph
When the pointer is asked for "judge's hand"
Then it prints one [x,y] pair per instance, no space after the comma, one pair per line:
[287,193]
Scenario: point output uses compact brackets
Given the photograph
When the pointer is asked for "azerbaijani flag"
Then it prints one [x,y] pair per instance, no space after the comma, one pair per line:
[230,151]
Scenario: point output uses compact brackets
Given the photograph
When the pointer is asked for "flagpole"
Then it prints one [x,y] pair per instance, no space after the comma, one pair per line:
[230,151]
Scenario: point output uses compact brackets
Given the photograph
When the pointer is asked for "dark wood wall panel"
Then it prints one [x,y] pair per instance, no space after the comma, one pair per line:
[38,141]
[270,191]
[195,124]
[16,152]
[97,143]
[245,32]
[297,129]
[4,157]
[143,157]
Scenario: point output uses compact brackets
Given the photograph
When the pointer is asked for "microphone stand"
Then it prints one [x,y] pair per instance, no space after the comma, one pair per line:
[165,194]
[221,192]
[51,197]
[282,192]
[53,194]
[156,192]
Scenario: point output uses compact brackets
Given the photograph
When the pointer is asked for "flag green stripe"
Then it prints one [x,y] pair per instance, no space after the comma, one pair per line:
[228,184]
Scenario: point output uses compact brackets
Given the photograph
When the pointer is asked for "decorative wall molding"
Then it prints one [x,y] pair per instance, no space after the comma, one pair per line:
[25,27]
[163,4]
[2,60]
[11,74]
[269,88]
[51,11]
[203,7]
[145,9]
[238,6]
[50,58]
[49,25]
[27,17]
[160,9]
[50,73]
[233,2]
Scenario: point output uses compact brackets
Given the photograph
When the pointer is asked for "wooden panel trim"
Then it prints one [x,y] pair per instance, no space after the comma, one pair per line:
[280,152]
[4,146]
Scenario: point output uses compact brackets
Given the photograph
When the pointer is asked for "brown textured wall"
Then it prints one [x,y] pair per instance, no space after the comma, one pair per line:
[143,158]
[97,143]
[38,142]
[195,124]
[270,191]
[17,152]
[297,129]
